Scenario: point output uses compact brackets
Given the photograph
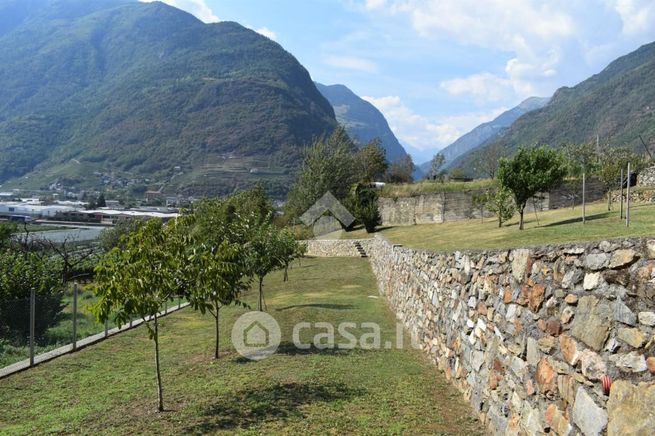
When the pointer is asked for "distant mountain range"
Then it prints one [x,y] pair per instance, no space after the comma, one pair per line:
[487,132]
[132,95]
[361,119]
[616,106]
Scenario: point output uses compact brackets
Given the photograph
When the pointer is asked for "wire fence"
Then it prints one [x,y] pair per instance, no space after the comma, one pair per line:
[39,324]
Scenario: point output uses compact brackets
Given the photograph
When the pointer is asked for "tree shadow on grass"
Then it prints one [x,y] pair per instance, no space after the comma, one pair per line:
[597,216]
[290,349]
[319,306]
[257,405]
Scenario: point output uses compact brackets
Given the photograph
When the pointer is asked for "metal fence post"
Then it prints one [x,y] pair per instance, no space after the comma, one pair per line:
[627,200]
[32,324]
[74,316]
[106,328]
[621,193]
[179,301]
[584,188]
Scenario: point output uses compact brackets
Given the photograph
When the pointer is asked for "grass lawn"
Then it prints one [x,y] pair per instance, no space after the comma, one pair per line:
[550,227]
[110,387]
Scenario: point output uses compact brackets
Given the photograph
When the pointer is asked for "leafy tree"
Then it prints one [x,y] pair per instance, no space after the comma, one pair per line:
[138,280]
[401,170]
[115,236]
[289,250]
[371,162]
[265,256]
[487,162]
[435,165]
[218,276]
[363,204]
[101,202]
[6,231]
[611,162]
[499,201]
[328,165]
[531,170]
[581,158]
[20,273]
[457,173]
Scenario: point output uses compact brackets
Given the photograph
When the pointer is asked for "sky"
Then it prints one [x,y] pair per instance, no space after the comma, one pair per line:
[438,68]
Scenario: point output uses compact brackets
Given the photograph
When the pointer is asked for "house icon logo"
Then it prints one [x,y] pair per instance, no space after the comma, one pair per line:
[321,223]
[256,335]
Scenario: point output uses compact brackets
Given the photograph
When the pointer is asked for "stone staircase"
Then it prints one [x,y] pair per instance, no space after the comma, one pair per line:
[360,249]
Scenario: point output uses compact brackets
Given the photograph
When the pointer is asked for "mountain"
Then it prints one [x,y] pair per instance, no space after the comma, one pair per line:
[361,119]
[616,105]
[144,95]
[487,131]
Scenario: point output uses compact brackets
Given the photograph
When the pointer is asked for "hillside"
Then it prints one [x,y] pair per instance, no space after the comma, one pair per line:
[616,104]
[361,119]
[128,92]
[487,131]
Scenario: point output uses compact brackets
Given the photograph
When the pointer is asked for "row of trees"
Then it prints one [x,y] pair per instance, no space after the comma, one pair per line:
[334,164]
[540,168]
[209,254]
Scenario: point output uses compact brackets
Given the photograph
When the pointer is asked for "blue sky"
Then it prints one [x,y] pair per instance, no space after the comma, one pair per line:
[438,68]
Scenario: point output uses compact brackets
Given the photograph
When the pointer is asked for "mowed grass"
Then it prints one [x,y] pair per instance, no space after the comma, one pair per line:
[110,387]
[549,227]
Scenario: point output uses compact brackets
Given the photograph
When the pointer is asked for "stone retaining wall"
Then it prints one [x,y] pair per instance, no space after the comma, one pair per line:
[646,177]
[527,334]
[453,206]
[636,196]
[336,247]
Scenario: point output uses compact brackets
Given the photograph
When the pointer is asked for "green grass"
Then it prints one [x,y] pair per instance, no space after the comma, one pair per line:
[550,227]
[110,387]
[431,187]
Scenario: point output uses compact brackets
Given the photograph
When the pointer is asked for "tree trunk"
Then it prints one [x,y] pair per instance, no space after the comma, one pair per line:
[286,273]
[261,295]
[500,220]
[218,333]
[521,218]
[609,200]
[160,392]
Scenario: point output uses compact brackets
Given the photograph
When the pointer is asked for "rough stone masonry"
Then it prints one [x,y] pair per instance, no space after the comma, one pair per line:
[527,334]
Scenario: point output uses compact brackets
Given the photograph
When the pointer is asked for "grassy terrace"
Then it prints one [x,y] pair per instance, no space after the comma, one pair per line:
[551,227]
[110,387]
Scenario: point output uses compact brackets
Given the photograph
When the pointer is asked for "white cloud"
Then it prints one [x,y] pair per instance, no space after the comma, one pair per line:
[195,7]
[267,33]
[544,43]
[423,133]
[638,16]
[351,63]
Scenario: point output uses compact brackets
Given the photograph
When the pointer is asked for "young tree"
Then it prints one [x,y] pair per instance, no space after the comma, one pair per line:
[499,202]
[328,166]
[138,280]
[487,162]
[531,170]
[217,278]
[401,170]
[290,250]
[371,162]
[580,158]
[435,165]
[363,203]
[115,236]
[264,255]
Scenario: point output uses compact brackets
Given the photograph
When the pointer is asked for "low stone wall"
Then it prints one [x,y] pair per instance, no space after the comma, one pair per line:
[527,334]
[336,247]
[646,177]
[636,196]
[454,206]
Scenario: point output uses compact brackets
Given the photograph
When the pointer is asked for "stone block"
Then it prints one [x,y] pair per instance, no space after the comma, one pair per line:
[587,415]
[592,322]
[630,409]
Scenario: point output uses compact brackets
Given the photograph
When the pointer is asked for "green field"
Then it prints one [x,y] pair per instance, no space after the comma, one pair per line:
[110,387]
[550,227]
